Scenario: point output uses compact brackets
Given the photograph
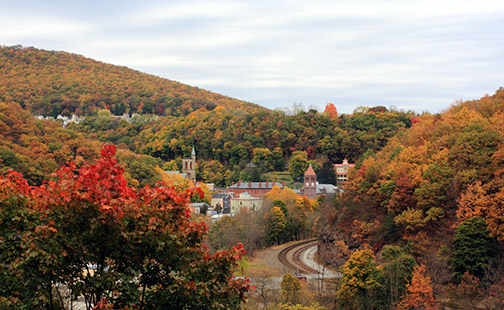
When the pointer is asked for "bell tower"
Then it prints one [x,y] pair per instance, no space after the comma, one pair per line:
[310,183]
[189,166]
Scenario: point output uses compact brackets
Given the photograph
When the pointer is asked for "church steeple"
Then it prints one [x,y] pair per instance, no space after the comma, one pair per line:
[189,166]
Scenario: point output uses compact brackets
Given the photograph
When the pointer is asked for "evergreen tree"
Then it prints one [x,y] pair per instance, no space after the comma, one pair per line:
[473,247]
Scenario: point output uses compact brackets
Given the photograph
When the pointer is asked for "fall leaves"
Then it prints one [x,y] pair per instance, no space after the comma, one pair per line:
[87,231]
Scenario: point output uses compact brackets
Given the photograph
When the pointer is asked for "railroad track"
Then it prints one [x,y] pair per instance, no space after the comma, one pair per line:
[296,264]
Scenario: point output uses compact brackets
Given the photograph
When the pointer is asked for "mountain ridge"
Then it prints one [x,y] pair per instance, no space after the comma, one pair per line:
[52,83]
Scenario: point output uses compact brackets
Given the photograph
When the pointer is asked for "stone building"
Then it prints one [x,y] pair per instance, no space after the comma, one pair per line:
[189,166]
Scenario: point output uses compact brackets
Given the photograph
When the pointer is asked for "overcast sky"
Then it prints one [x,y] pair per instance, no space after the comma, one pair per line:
[414,55]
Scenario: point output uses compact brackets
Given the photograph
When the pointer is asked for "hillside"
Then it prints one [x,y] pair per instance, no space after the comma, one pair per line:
[425,182]
[52,83]
[227,134]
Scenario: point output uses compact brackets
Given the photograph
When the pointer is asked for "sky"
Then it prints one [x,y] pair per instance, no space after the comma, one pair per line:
[410,55]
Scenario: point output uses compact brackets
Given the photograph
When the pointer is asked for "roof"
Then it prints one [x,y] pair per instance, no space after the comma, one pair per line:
[310,171]
[344,164]
[219,195]
[255,185]
[326,189]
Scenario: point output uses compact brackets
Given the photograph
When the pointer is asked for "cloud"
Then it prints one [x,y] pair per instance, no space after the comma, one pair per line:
[422,54]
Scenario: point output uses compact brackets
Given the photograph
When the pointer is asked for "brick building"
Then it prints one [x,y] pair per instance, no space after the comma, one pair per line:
[256,189]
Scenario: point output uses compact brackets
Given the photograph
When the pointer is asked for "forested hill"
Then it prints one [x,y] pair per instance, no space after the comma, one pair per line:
[424,183]
[233,139]
[52,83]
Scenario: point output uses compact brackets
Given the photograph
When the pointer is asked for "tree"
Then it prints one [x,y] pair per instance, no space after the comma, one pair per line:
[396,272]
[473,247]
[298,164]
[275,225]
[263,159]
[359,282]
[331,111]
[224,233]
[291,288]
[327,174]
[87,231]
[467,294]
[419,292]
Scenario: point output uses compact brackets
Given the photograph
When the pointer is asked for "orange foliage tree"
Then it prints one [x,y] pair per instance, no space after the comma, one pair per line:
[419,293]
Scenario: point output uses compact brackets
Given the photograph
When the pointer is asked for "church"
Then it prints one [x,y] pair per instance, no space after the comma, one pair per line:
[188,167]
[311,188]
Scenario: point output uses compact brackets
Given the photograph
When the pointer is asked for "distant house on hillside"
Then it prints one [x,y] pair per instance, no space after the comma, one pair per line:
[342,170]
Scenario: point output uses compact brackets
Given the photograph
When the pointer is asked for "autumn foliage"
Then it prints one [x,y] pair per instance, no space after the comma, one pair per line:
[86,231]
[443,170]
[419,294]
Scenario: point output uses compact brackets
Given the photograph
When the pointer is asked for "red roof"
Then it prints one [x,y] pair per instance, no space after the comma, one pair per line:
[310,171]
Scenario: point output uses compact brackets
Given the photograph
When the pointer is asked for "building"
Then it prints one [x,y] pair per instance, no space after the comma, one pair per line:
[310,183]
[256,189]
[342,170]
[327,190]
[245,200]
[312,188]
[189,166]
[221,202]
[188,169]
[198,207]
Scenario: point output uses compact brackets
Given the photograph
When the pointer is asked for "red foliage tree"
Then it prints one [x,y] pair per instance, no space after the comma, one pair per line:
[86,230]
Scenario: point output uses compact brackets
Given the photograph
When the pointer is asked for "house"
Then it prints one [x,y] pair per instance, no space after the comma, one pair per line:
[221,202]
[198,207]
[342,171]
[245,200]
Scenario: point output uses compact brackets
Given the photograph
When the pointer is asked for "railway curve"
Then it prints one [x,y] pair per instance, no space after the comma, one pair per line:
[291,257]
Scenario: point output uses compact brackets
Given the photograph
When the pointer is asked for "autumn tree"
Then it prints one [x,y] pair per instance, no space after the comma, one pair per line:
[419,292]
[467,294]
[291,288]
[298,164]
[359,282]
[275,225]
[224,233]
[88,232]
[331,111]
